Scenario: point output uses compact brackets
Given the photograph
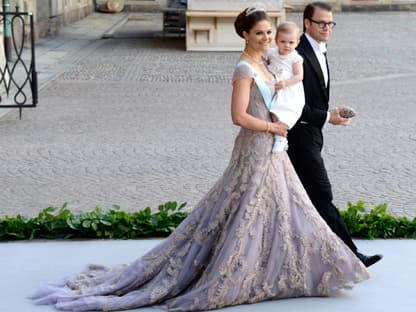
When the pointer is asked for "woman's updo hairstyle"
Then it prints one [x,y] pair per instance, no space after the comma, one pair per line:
[246,20]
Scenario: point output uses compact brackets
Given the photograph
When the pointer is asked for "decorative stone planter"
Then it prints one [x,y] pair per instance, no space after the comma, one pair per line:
[210,23]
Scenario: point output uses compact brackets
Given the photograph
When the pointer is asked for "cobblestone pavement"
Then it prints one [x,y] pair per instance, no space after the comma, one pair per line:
[138,122]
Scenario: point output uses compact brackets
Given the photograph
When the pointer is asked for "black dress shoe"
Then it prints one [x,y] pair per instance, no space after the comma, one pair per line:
[369,260]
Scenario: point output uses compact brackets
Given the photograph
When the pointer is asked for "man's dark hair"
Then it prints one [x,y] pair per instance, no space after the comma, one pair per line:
[310,10]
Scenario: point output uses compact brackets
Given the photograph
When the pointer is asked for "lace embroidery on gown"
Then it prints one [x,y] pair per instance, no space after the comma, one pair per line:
[254,236]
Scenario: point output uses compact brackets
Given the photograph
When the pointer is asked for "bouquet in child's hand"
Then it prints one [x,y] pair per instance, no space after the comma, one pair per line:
[347,112]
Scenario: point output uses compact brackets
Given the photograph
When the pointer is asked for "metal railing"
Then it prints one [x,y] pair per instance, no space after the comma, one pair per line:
[18,76]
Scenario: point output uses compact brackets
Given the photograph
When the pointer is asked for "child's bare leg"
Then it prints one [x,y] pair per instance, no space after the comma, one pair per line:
[280,142]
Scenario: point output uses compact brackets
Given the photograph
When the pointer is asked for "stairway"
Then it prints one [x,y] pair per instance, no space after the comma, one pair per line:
[143,5]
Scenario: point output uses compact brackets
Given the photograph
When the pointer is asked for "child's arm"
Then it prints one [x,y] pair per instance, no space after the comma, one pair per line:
[297,77]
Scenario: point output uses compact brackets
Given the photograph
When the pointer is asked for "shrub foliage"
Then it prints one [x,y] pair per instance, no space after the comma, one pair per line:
[58,223]
[375,222]
[53,223]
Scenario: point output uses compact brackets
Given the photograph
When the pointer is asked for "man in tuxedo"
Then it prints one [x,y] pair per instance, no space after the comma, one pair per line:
[306,138]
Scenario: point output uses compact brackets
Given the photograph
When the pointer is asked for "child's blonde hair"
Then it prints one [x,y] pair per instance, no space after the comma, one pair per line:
[287,28]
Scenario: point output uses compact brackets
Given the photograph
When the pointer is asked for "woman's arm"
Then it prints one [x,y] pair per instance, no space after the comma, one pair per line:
[239,103]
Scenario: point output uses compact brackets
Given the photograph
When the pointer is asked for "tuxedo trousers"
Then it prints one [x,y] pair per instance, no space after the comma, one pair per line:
[305,147]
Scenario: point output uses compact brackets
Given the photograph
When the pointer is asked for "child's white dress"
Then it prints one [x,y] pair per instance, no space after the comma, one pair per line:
[288,103]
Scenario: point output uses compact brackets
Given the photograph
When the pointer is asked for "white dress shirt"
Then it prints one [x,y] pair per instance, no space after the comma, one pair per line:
[319,49]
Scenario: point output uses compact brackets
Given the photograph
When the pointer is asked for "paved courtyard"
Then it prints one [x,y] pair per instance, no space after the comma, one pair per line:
[139,121]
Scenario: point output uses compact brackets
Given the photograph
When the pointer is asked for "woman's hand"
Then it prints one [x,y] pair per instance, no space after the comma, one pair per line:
[279,128]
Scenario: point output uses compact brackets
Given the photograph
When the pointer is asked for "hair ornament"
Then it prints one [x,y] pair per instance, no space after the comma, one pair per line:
[257,6]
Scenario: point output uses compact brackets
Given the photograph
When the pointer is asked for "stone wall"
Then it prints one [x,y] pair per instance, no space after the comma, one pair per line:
[345,5]
[50,15]
[359,5]
[53,14]
[74,10]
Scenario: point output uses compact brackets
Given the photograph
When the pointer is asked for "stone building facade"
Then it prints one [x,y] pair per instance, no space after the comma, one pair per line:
[50,15]
[345,5]
[348,5]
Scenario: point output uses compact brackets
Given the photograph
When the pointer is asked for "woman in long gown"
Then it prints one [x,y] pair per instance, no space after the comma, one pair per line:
[254,236]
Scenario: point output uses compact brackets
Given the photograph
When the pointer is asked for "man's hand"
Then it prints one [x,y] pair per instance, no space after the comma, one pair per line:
[336,119]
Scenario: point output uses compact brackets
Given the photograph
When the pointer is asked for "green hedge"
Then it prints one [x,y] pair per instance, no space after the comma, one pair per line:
[375,222]
[55,223]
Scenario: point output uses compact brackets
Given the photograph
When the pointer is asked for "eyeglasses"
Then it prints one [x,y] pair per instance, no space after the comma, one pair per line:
[323,24]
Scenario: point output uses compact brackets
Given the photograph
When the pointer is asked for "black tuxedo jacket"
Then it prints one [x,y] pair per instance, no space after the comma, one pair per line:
[309,126]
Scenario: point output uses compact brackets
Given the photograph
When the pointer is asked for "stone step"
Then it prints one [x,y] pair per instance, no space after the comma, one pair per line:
[142,6]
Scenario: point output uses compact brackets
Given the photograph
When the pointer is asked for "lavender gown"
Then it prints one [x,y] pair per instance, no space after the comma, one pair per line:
[254,236]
